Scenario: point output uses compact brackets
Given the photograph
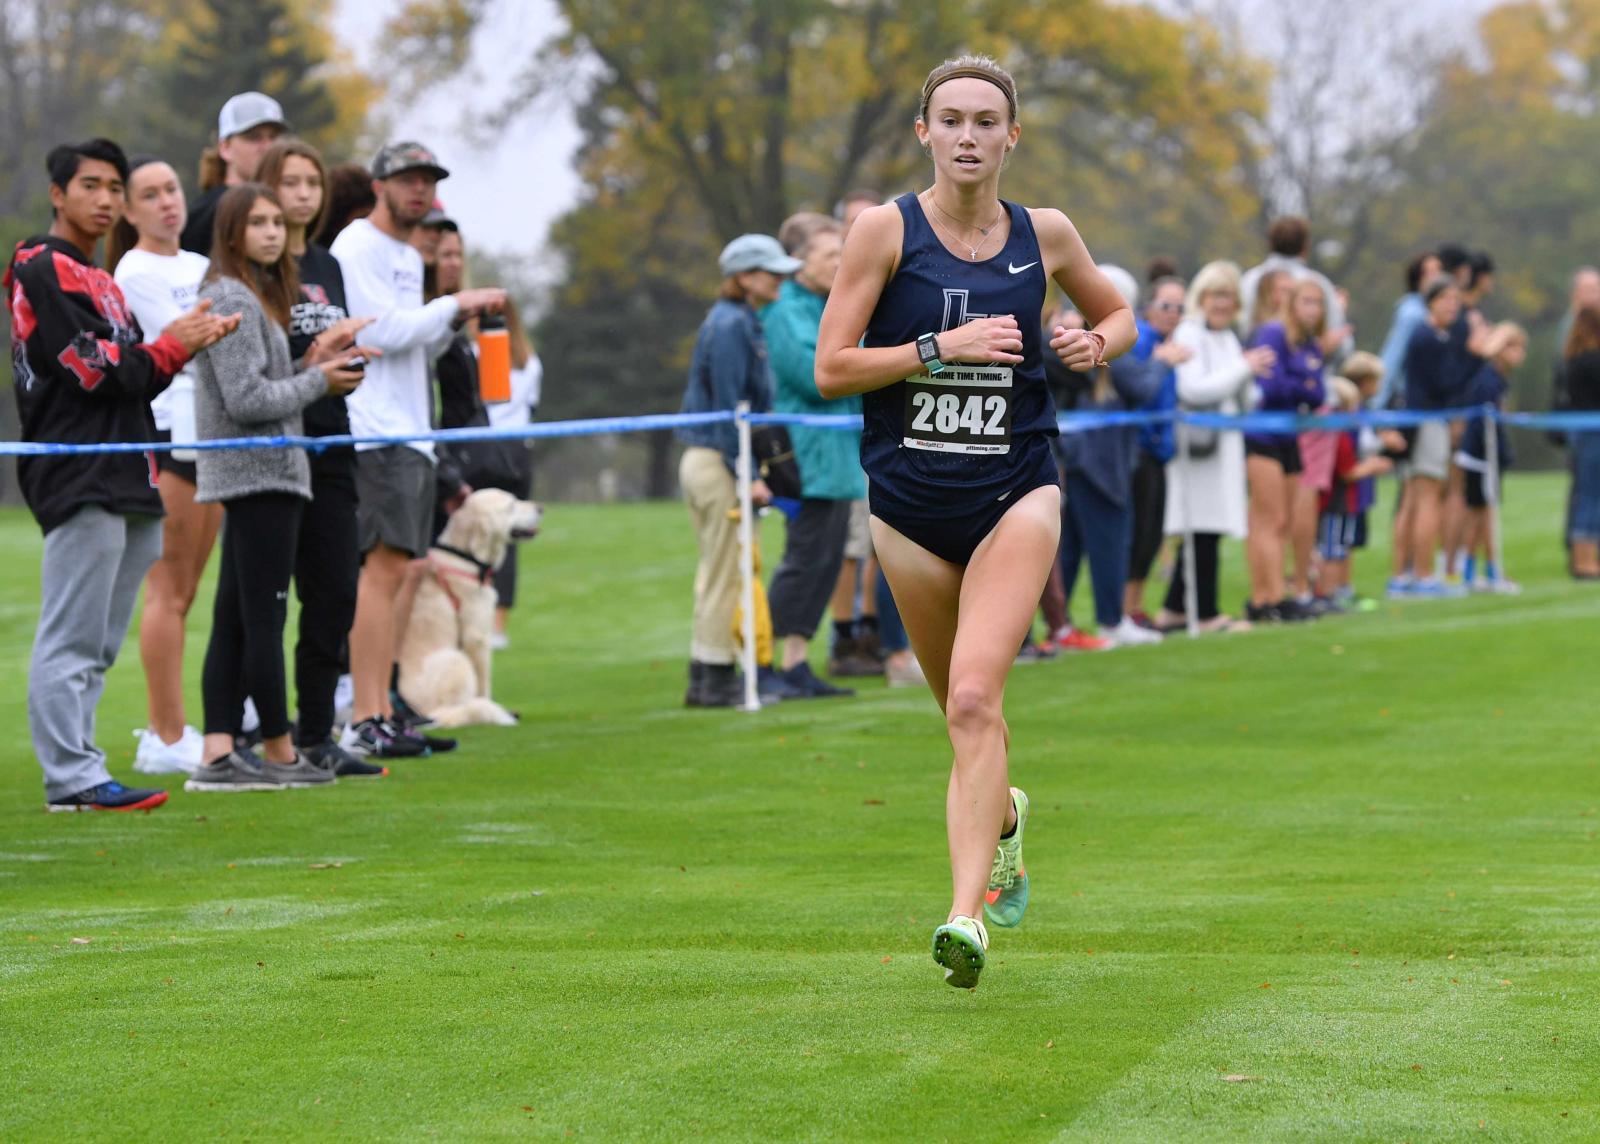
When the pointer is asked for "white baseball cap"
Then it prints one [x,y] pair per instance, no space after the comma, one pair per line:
[246,110]
[756,252]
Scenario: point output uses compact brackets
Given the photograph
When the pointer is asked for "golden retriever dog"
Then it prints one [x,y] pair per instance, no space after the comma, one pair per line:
[444,658]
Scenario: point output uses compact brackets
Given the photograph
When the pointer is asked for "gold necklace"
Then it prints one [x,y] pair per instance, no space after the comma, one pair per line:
[983,230]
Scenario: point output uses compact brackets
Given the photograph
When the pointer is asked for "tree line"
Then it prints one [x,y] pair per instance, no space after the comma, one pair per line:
[1160,129]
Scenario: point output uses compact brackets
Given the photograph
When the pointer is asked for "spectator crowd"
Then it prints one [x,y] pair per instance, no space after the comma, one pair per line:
[1147,499]
[290,298]
[285,299]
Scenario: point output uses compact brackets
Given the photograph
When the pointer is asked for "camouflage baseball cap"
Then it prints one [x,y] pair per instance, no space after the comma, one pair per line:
[398,157]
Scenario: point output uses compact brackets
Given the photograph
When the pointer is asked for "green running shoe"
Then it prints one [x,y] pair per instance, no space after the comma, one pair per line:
[1007,898]
[959,946]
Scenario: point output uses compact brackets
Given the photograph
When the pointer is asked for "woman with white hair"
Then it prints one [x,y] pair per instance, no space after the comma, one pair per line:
[1206,481]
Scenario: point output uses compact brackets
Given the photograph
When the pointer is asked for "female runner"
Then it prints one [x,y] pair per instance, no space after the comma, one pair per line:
[935,320]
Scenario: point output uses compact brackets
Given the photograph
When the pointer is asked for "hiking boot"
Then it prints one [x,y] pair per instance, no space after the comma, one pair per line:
[852,660]
[720,686]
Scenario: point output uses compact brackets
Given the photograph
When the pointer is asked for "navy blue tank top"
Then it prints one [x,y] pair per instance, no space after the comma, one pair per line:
[968,433]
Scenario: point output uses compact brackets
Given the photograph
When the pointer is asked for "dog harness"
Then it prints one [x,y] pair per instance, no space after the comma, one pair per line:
[482,577]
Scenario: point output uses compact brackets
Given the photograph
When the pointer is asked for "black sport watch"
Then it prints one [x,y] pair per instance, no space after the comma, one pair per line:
[928,352]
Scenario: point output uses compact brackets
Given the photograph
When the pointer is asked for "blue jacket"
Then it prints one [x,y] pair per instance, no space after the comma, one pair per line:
[729,366]
[1488,387]
[829,459]
[1157,440]
[1410,314]
[1432,372]
[1106,457]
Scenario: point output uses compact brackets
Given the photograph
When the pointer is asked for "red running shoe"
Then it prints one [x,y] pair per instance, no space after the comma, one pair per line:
[1076,640]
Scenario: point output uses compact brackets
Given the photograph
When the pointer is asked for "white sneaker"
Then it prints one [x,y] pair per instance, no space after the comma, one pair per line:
[904,672]
[1130,634]
[344,700]
[155,757]
[499,641]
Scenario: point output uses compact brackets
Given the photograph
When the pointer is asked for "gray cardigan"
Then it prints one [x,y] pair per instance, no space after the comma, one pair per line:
[245,386]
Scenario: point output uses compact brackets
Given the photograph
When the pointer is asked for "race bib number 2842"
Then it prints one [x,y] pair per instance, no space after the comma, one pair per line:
[966,409]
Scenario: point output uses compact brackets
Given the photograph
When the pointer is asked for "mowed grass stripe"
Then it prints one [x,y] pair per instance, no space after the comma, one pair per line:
[624,920]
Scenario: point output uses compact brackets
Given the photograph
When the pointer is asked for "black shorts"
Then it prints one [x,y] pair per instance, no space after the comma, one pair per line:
[955,532]
[167,463]
[1478,488]
[1284,450]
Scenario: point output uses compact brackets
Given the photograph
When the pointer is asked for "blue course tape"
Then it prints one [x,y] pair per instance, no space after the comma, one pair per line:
[545,429]
[1069,422]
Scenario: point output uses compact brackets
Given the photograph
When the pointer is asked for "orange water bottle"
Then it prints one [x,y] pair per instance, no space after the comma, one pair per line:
[494,359]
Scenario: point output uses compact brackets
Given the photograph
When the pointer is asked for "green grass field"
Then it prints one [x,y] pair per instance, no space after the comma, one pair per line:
[1335,882]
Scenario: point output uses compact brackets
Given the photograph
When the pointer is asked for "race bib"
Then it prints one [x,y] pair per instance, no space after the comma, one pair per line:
[966,409]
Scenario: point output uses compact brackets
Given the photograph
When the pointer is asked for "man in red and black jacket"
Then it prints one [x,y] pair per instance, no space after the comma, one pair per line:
[84,375]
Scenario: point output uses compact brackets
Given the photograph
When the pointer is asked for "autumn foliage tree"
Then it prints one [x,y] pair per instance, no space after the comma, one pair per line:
[706,120]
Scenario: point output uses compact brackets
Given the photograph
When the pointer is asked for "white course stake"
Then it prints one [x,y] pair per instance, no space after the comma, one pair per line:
[1491,491]
[747,555]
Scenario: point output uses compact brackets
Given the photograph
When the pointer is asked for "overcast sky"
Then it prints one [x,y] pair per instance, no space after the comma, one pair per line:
[506,195]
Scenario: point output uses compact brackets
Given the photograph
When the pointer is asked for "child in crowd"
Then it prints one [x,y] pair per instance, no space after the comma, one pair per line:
[1508,346]
[1360,457]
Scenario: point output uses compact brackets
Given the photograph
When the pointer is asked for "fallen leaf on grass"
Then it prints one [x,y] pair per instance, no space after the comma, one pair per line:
[1049,1044]
[887,960]
[527,1108]
[326,866]
[1416,1068]
[1266,985]
[1239,1078]
[82,940]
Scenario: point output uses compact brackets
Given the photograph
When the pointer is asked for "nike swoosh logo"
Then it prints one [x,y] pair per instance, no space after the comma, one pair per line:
[1020,269]
[1002,496]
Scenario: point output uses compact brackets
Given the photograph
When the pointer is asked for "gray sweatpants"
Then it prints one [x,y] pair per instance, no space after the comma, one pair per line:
[93,566]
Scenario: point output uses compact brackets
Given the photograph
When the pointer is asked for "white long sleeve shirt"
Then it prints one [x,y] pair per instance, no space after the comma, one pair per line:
[383,280]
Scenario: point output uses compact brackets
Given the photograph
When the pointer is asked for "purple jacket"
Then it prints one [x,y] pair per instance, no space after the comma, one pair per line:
[1295,383]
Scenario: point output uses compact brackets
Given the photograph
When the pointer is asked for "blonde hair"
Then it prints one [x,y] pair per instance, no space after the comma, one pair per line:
[1512,332]
[970,67]
[1292,330]
[1346,395]
[1213,276]
[1361,367]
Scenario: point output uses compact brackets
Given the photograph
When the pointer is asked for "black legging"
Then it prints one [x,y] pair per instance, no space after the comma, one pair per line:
[1205,577]
[245,656]
[326,566]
